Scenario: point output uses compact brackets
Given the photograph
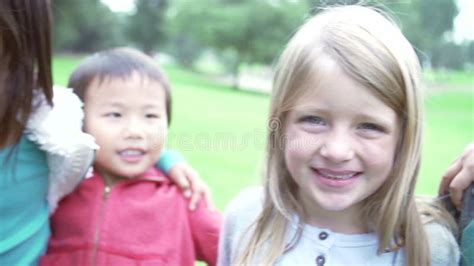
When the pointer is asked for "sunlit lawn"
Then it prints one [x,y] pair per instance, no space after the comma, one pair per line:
[222,132]
[456,78]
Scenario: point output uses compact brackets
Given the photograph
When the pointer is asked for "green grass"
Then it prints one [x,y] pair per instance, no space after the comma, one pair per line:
[63,67]
[453,78]
[222,132]
[449,128]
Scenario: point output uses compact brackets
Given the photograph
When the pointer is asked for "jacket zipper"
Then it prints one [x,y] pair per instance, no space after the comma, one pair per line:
[105,197]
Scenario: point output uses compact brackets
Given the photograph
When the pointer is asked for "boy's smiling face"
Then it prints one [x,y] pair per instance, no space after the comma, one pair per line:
[127,117]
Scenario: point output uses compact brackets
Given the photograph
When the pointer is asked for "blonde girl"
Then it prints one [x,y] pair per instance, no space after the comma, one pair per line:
[343,155]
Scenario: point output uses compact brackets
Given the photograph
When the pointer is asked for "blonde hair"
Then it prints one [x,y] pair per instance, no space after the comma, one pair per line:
[371,49]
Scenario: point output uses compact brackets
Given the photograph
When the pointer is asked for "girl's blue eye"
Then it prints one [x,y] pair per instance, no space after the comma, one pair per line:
[312,120]
[372,127]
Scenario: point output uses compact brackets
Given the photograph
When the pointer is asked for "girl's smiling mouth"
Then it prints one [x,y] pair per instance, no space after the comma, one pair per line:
[337,179]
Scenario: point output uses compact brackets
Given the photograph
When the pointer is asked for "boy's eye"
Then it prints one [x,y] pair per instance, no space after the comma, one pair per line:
[316,120]
[113,114]
[152,116]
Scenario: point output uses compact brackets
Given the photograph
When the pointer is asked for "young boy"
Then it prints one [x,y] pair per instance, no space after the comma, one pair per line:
[128,212]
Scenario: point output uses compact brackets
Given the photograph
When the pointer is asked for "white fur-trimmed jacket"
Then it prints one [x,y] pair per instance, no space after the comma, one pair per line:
[58,131]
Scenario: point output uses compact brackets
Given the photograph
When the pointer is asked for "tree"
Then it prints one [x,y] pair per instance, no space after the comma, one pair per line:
[245,31]
[85,26]
[470,52]
[318,5]
[449,55]
[424,22]
[147,25]
[184,48]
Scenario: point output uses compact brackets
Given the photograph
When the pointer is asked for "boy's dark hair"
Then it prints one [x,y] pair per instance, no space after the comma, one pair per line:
[118,63]
[25,41]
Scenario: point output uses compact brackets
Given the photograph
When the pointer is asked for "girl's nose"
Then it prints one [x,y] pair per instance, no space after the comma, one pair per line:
[337,147]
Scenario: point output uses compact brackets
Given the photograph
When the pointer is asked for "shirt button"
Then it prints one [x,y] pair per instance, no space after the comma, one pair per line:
[320,260]
[323,235]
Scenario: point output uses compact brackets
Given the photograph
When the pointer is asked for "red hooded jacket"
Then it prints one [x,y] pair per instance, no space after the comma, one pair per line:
[141,221]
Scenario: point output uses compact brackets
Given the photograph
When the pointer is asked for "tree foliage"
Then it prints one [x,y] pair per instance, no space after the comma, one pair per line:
[453,56]
[245,31]
[424,22]
[237,31]
[146,27]
[84,26]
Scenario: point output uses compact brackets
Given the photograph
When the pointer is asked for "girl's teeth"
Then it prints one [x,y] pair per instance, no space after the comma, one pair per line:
[337,176]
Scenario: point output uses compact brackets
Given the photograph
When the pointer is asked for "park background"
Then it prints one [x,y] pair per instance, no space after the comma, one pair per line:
[219,55]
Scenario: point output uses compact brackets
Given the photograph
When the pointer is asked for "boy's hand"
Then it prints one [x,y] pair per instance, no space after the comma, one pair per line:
[459,176]
[192,184]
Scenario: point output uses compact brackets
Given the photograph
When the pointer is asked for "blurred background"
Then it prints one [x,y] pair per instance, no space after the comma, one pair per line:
[219,56]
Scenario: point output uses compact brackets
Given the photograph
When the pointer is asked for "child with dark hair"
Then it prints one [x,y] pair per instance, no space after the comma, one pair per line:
[128,212]
[43,152]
